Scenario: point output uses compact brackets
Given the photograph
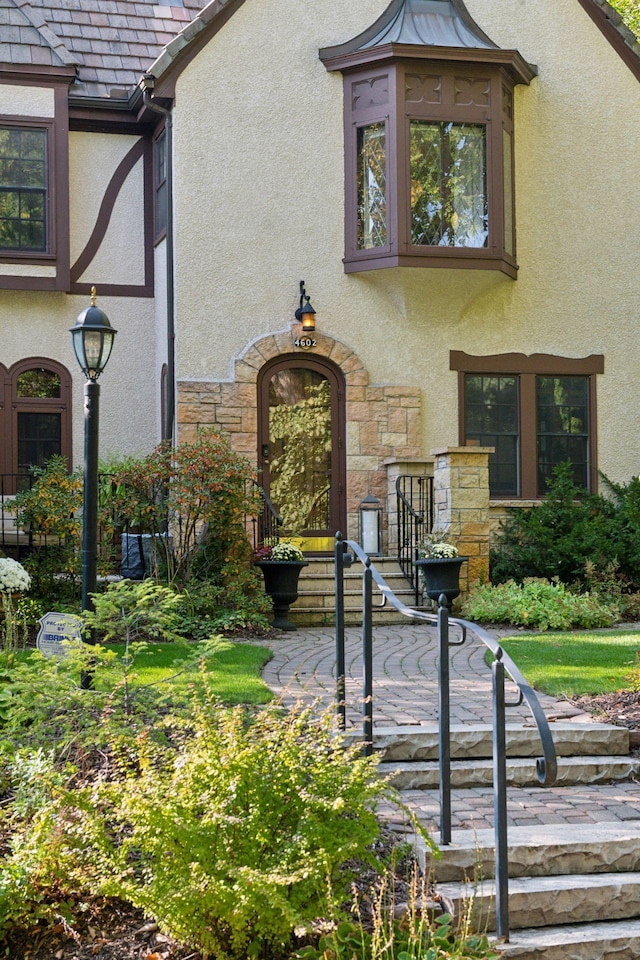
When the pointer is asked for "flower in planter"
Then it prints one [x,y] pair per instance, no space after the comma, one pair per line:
[435,547]
[13,576]
[281,550]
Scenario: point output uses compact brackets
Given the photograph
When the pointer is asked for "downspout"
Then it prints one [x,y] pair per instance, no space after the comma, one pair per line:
[148,83]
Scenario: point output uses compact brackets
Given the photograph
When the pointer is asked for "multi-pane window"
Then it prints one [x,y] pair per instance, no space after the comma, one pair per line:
[23,188]
[372,186]
[160,184]
[534,417]
[491,417]
[448,168]
[35,418]
[562,412]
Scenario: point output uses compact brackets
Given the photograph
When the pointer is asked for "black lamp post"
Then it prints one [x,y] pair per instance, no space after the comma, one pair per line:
[92,338]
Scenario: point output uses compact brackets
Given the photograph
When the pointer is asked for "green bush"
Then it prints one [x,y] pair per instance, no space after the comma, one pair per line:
[231,831]
[537,603]
[555,538]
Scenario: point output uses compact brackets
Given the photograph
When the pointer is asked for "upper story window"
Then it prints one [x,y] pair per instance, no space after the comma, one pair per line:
[160,184]
[23,188]
[428,110]
[536,412]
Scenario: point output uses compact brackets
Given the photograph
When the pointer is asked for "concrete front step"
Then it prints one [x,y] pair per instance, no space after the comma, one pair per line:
[604,940]
[316,593]
[548,901]
[424,775]
[538,851]
[411,743]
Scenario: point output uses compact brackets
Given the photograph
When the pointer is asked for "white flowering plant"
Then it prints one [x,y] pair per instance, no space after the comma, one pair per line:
[281,550]
[13,576]
[435,547]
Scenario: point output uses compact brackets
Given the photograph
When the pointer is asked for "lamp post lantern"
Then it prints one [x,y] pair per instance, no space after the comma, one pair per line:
[92,337]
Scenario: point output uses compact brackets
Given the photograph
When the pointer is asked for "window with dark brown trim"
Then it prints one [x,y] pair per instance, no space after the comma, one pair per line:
[429,177]
[536,412]
[23,188]
[160,185]
[35,417]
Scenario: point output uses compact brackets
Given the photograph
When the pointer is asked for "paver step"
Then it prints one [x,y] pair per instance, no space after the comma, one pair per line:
[548,901]
[521,772]
[604,940]
[540,851]
[468,741]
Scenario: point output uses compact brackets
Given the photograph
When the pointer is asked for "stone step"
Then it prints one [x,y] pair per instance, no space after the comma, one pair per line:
[548,901]
[604,940]
[409,743]
[521,772]
[538,851]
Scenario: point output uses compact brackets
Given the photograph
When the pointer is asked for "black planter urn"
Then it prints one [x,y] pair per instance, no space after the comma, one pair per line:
[442,576]
[281,584]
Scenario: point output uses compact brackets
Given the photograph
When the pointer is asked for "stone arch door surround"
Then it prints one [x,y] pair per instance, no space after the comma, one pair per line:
[382,421]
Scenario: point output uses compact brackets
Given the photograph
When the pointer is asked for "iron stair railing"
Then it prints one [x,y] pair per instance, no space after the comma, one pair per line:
[415,520]
[546,765]
[268,523]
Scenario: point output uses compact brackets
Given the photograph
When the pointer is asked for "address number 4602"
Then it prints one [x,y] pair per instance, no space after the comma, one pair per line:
[305,342]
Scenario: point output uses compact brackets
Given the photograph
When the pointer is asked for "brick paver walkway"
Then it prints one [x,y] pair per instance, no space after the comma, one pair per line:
[406,693]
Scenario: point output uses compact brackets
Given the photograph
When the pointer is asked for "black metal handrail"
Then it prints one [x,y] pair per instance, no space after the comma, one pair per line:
[415,520]
[546,766]
[266,525]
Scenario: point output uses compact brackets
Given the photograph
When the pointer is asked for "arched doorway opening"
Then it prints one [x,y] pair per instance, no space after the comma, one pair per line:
[301,446]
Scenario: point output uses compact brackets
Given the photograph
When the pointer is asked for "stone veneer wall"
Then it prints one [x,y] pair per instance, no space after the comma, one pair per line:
[461,505]
[382,421]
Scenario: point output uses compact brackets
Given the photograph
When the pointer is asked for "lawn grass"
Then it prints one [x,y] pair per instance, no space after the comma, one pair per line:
[574,664]
[234,669]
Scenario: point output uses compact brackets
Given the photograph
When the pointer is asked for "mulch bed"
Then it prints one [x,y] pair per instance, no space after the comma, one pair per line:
[621,708]
[113,931]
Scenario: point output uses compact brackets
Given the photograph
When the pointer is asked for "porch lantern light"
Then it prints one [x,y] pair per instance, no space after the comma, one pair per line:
[305,314]
[370,526]
[92,337]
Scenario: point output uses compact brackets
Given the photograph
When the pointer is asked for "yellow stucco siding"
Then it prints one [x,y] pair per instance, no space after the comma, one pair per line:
[93,160]
[18,100]
[260,205]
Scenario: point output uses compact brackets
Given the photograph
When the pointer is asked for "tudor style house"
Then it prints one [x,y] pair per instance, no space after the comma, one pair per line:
[451,186]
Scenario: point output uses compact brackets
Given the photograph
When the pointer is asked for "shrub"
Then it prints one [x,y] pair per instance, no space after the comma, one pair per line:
[555,538]
[537,603]
[198,492]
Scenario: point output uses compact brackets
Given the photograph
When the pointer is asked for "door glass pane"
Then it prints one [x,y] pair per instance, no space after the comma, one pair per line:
[563,427]
[39,438]
[300,448]
[372,186]
[448,167]
[491,418]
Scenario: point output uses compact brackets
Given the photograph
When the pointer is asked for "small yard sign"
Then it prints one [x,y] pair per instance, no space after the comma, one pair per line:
[54,629]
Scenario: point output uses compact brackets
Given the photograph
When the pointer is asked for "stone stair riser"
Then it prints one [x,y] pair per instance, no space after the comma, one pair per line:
[616,940]
[520,773]
[547,901]
[475,742]
[537,852]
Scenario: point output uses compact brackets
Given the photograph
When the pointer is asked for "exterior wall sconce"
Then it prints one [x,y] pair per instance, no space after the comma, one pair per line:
[305,314]
[370,526]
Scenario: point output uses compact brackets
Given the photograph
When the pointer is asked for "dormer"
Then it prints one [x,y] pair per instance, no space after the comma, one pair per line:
[429,140]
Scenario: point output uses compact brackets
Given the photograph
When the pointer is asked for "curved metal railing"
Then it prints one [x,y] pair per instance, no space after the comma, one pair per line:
[546,766]
[413,523]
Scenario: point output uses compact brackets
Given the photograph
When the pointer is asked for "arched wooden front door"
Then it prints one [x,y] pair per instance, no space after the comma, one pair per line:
[301,446]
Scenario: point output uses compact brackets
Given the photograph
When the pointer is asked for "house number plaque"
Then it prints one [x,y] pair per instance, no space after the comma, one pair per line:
[305,342]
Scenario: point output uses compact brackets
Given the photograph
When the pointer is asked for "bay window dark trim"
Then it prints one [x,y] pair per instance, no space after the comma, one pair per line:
[378,89]
[527,368]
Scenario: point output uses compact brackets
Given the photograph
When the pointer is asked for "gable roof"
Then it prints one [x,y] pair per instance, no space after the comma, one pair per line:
[112,43]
